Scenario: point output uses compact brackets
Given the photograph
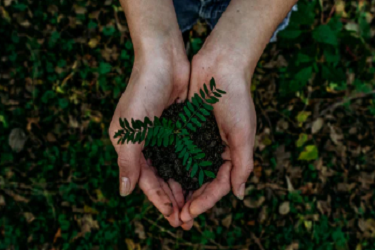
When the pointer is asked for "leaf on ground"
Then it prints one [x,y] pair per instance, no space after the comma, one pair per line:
[284,208]
[17,139]
[310,153]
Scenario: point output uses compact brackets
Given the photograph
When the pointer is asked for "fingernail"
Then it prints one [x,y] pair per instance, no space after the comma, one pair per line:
[241,192]
[124,186]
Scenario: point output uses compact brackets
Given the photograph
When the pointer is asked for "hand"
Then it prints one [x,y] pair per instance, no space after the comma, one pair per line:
[158,79]
[236,119]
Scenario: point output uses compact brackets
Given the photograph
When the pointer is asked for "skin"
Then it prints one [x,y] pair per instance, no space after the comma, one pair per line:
[161,67]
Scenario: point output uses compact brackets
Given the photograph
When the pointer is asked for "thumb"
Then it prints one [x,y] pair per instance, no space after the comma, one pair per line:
[242,160]
[129,166]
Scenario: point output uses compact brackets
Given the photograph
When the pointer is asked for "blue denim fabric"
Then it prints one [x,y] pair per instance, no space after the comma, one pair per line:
[189,11]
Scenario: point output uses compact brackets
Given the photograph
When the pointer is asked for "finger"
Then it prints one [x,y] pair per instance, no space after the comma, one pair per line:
[214,191]
[129,166]
[226,154]
[185,212]
[182,80]
[187,225]
[174,218]
[241,151]
[177,192]
[150,185]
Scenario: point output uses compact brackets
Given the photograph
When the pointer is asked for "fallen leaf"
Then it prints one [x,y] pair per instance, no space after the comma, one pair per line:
[251,203]
[302,139]
[140,230]
[29,217]
[57,235]
[227,221]
[284,208]
[310,153]
[289,184]
[317,125]
[2,200]
[131,245]
[17,139]
[302,116]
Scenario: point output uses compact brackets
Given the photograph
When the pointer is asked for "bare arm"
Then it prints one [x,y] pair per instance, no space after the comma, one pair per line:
[153,24]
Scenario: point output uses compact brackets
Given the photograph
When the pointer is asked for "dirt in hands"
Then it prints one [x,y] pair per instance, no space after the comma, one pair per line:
[166,161]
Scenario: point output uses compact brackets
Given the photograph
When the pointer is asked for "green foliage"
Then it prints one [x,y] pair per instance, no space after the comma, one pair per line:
[166,133]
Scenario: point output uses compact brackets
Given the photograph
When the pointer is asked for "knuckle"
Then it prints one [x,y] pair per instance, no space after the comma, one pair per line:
[123,162]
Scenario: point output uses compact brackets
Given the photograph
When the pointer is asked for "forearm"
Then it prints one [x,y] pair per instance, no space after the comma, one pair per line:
[246,27]
[152,24]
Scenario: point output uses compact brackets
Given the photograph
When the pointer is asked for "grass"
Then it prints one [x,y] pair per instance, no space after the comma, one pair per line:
[63,66]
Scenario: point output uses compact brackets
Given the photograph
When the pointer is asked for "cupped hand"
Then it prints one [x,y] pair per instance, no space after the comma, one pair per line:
[236,119]
[157,81]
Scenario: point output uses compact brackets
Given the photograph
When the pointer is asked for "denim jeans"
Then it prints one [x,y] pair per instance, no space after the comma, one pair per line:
[189,11]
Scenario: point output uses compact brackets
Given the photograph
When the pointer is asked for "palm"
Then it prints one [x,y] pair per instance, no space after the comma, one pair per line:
[150,90]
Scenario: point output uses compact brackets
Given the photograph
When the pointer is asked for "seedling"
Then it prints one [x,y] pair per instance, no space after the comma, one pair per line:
[164,132]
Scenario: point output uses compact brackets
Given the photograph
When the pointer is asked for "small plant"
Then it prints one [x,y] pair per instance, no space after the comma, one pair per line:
[164,132]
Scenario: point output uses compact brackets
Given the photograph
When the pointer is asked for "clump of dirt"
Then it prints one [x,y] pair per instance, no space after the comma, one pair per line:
[207,138]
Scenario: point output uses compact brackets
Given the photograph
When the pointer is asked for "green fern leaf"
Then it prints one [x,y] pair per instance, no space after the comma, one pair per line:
[130,137]
[195,101]
[221,91]
[139,124]
[156,121]
[191,127]
[209,174]
[216,94]
[201,178]
[201,117]
[156,131]
[202,94]
[186,157]
[198,98]
[182,153]
[187,111]
[143,135]
[160,141]
[195,151]
[194,170]
[212,100]
[190,106]
[207,107]
[128,125]
[179,148]
[184,132]
[171,139]
[199,156]
[205,163]
[161,132]
[189,164]
[147,121]
[183,118]
[165,122]
[148,138]
[196,122]
[123,140]
[154,140]
[122,124]
[134,125]
[137,137]
[178,124]
[165,141]
[206,89]
[212,84]
[204,112]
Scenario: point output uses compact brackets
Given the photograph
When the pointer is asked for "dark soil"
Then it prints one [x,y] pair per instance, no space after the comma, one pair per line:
[207,138]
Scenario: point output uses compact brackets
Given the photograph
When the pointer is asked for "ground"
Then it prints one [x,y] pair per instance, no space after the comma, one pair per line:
[63,65]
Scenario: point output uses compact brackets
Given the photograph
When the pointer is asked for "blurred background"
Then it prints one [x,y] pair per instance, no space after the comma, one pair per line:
[63,66]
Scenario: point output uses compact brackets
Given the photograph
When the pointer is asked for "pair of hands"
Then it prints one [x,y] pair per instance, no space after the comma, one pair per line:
[161,77]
